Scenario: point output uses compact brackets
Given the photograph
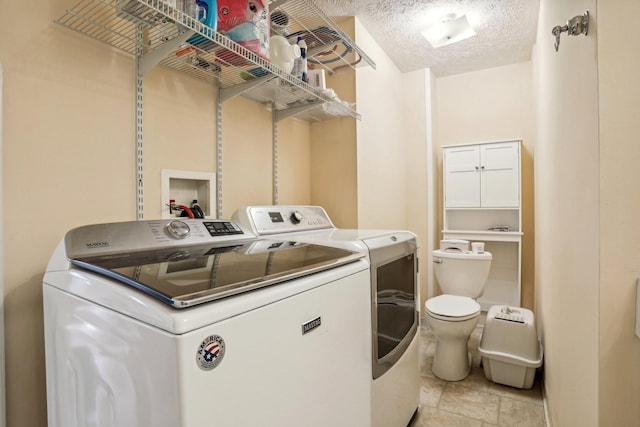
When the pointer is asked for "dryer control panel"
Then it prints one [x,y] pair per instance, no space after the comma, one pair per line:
[265,220]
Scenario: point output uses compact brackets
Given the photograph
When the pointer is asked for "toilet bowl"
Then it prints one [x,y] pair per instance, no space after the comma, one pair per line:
[452,319]
[453,315]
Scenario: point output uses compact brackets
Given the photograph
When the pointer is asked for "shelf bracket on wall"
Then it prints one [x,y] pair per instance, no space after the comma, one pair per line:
[239,89]
[292,111]
[150,59]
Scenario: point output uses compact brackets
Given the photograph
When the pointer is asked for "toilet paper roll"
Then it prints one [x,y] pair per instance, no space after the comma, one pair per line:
[477,247]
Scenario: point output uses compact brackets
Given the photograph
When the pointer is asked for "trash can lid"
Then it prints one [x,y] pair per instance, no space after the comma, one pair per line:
[510,333]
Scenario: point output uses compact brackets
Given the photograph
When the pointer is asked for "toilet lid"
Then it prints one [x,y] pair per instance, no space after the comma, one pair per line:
[453,307]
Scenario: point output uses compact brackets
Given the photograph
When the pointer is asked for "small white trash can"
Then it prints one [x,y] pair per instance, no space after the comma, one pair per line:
[509,346]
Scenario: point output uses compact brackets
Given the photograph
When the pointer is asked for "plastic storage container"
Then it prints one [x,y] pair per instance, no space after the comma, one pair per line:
[454,245]
[509,346]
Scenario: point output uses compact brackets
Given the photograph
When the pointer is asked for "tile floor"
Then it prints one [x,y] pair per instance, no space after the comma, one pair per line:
[474,401]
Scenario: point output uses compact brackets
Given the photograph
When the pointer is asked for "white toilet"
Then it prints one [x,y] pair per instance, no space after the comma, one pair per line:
[453,316]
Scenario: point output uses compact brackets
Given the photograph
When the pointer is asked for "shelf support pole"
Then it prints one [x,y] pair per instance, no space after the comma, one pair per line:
[139,146]
[218,150]
[274,137]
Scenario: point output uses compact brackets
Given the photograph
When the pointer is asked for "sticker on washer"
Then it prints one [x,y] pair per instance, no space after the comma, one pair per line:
[210,352]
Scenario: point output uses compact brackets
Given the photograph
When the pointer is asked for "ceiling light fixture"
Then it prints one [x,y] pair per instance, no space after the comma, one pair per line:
[448,30]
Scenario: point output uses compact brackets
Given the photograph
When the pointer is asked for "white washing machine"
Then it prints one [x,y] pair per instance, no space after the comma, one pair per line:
[184,323]
[395,366]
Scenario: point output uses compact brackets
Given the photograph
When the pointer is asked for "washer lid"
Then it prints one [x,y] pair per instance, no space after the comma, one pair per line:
[452,306]
[193,274]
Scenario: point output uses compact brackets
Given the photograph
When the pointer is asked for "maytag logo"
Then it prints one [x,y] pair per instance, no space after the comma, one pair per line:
[93,245]
[311,325]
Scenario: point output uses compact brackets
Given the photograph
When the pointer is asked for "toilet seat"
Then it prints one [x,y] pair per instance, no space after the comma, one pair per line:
[452,308]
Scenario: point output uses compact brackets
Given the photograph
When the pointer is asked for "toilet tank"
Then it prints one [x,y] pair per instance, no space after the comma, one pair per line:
[463,274]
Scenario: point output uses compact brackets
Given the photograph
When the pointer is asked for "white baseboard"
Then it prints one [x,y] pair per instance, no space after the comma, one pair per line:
[547,414]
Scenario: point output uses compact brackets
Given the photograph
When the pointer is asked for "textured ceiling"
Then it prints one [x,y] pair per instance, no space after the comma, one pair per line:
[505,31]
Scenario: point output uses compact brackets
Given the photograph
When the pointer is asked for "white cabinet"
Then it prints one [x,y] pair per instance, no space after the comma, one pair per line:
[482,203]
[482,175]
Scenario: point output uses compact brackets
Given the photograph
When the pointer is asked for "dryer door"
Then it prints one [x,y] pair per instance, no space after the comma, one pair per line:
[394,289]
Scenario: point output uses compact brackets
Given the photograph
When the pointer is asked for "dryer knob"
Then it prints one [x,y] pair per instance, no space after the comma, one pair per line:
[178,229]
[296,217]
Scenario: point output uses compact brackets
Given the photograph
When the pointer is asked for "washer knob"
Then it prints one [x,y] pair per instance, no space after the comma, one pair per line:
[178,229]
[296,217]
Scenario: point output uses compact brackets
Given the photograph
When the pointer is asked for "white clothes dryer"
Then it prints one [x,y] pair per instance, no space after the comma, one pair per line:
[395,368]
[184,323]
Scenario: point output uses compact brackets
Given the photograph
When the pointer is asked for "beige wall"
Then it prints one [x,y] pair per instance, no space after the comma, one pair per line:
[619,349]
[360,170]
[567,220]
[495,104]
[586,214]
[382,141]
[587,199]
[417,97]
[334,169]
[69,159]
[294,162]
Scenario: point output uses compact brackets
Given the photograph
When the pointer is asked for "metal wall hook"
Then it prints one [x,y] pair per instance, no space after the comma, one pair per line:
[577,25]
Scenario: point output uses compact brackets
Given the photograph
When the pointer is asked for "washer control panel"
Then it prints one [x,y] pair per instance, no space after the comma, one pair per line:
[130,236]
[178,229]
[221,228]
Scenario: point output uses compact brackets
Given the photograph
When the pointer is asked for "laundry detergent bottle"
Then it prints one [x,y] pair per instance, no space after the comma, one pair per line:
[300,63]
[207,9]
[211,6]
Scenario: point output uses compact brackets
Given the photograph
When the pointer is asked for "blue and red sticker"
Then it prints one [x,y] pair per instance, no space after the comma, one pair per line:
[210,352]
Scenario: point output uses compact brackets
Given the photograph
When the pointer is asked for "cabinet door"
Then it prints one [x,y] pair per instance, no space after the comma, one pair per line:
[500,175]
[462,177]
